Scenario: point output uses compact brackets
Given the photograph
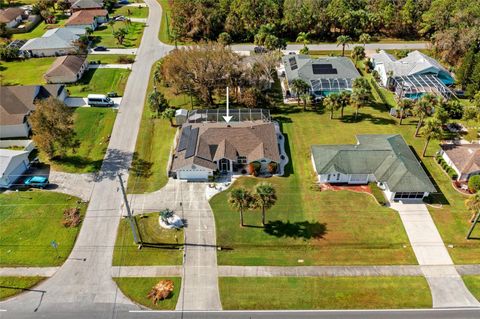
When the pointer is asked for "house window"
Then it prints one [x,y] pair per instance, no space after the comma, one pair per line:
[338,176]
[242,160]
[263,161]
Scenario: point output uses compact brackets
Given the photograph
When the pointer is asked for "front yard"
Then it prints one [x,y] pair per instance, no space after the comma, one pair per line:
[305,293]
[12,286]
[100,81]
[133,11]
[93,127]
[30,221]
[473,284]
[41,28]
[104,35]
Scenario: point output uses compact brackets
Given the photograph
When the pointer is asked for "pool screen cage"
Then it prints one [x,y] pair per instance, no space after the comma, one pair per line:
[417,85]
[238,115]
[335,84]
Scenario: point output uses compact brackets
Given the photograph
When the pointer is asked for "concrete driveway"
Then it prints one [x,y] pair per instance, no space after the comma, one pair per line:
[115,51]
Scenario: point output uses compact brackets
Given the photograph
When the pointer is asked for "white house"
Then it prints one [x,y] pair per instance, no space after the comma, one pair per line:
[12,165]
[204,148]
[54,42]
[463,158]
[12,17]
[384,159]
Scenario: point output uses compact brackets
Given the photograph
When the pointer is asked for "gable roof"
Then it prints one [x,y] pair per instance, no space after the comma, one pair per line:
[16,102]
[83,17]
[6,159]
[203,143]
[10,14]
[466,157]
[58,38]
[87,4]
[387,157]
[66,65]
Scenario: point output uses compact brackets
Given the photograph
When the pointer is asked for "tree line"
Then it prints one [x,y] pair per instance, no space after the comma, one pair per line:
[450,24]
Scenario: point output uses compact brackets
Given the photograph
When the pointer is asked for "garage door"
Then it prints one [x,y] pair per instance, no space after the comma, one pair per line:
[193,175]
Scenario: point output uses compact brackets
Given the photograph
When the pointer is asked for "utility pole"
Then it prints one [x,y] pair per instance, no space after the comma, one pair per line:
[133,225]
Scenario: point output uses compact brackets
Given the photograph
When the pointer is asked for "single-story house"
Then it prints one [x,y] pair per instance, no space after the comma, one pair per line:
[77,5]
[87,19]
[324,75]
[463,158]
[414,75]
[204,148]
[12,165]
[55,42]
[17,102]
[66,69]
[381,158]
[12,17]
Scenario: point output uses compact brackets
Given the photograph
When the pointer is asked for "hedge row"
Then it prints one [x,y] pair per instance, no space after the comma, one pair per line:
[449,170]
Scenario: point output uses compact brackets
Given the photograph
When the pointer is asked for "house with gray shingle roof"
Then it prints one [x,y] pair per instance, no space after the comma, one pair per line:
[382,158]
[77,5]
[66,69]
[12,165]
[204,148]
[54,42]
[12,17]
[324,75]
[463,158]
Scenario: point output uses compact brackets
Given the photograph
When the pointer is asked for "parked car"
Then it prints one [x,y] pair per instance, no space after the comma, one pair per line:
[260,50]
[112,94]
[100,49]
[36,181]
[120,18]
[99,100]
[123,2]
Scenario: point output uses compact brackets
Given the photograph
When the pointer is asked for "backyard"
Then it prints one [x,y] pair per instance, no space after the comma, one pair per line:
[34,219]
[93,127]
[100,81]
[14,285]
[25,72]
[41,28]
[161,246]
[104,35]
[294,293]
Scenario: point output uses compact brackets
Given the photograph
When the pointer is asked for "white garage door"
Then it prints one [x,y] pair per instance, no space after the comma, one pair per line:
[193,175]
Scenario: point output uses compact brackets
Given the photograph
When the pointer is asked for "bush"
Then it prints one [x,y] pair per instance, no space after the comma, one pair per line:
[123,59]
[378,194]
[71,217]
[254,168]
[474,183]
[272,167]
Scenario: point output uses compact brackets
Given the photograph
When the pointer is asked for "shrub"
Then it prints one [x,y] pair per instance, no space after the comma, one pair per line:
[71,217]
[123,59]
[474,183]
[254,168]
[272,167]
[378,194]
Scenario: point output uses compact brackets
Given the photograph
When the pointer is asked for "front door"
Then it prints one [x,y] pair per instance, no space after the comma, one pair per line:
[224,165]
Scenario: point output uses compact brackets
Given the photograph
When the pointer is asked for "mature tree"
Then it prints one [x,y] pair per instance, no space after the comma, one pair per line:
[364,38]
[358,53]
[157,74]
[361,95]
[3,30]
[302,37]
[240,199]
[344,101]
[441,113]
[343,40]
[299,87]
[169,114]
[404,105]
[266,36]
[63,5]
[52,127]
[224,38]
[264,197]
[8,53]
[200,69]
[332,103]
[157,102]
[431,130]
[423,108]
[120,35]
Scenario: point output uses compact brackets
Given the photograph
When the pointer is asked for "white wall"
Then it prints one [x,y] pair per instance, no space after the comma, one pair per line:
[19,130]
[52,52]
[449,162]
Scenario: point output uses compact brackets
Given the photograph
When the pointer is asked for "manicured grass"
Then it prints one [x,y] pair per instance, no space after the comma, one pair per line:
[132,12]
[107,58]
[137,290]
[105,36]
[161,247]
[11,286]
[93,127]
[295,293]
[40,29]
[25,72]
[30,221]
[163,33]
[473,284]
[100,81]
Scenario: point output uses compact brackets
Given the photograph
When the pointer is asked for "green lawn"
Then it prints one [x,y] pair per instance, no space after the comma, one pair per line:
[107,58]
[295,293]
[132,12]
[161,246]
[11,286]
[25,72]
[473,284]
[31,220]
[163,33]
[137,290]
[100,81]
[93,127]
[40,29]
[105,36]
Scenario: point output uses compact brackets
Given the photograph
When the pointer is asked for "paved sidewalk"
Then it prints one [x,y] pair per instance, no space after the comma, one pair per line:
[28,271]
[140,20]
[146,271]
[446,285]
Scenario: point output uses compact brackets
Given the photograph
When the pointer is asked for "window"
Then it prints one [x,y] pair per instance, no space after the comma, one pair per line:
[242,160]
[338,176]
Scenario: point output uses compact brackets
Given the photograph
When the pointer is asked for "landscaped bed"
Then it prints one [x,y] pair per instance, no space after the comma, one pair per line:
[162,246]
[100,81]
[11,286]
[295,293]
[137,290]
[34,220]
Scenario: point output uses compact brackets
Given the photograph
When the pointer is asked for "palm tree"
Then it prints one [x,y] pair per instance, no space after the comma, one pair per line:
[299,87]
[361,94]
[431,130]
[157,102]
[88,31]
[343,40]
[332,103]
[404,105]
[265,197]
[111,23]
[157,74]
[169,114]
[365,38]
[473,204]
[423,107]
[358,54]
[303,38]
[240,199]
[344,101]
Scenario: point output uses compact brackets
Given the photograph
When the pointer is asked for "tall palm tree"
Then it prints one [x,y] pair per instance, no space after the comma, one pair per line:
[365,38]
[343,40]
[358,54]
[423,107]
[431,130]
[332,103]
[473,204]
[299,87]
[404,105]
[111,23]
[240,199]
[344,101]
[265,197]
[361,94]
[303,38]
